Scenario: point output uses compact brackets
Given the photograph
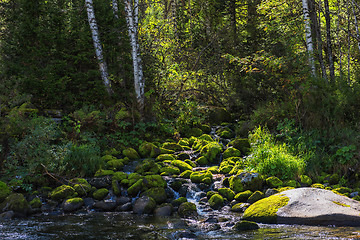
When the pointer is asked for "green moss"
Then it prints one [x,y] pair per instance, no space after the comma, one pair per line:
[291,183]
[115,187]
[191,163]
[341,204]
[169,170]
[157,193]
[183,166]
[245,226]
[187,209]
[201,177]
[146,148]
[318,185]
[186,174]
[148,165]
[115,164]
[242,144]
[196,132]
[243,196]
[206,137]
[4,191]
[205,128]
[101,172]
[227,193]
[211,151]
[209,194]
[119,176]
[265,210]
[305,180]
[202,161]
[274,182]
[179,201]
[151,181]
[172,146]
[256,196]
[164,157]
[62,192]
[285,189]
[135,188]
[231,152]
[342,190]
[214,169]
[15,202]
[74,200]
[216,201]
[184,142]
[131,153]
[334,179]
[100,194]
[36,203]
[246,181]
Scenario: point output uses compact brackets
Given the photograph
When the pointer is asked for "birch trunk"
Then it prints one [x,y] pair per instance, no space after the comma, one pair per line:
[115,8]
[328,40]
[356,24]
[132,19]
[97,45]
[309,41]
[338,37]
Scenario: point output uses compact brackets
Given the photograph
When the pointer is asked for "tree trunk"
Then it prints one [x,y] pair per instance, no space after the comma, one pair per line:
[356,24]
[97,45]
[349,42]
[328,40]
[338,37]
[132,19]
[309,40]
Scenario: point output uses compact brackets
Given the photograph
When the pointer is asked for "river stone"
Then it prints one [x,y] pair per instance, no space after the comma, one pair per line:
[101,182]
[309,206]
[163,210]
[144,205]
[122,200]
[17,203]
[245,226]
[73,204]
[124,208]
[106,205]
[7,215]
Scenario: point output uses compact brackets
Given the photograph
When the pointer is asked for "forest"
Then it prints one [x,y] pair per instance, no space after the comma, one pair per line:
[84,80]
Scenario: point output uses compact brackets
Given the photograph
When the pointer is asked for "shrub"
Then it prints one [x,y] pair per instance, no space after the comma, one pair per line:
[269,157]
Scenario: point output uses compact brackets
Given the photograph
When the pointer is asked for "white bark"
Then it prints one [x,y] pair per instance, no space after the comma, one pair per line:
[97,45]
[115,8]
[356,24]
[309,41]
[132,19]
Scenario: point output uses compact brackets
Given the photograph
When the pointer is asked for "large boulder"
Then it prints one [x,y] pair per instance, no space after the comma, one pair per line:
[144,205]
[187,209]
[246,181]
[211,151]
[157,193]
[62,192]
[73,204]
[17,203]
[310,206]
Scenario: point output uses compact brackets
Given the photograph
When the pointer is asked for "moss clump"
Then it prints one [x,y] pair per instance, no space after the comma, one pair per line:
[62,192]
[343,190]
[214,169]
[100,194]
[201,177]
[256,196]
[341,204]
[36,203]
[242,144]
[245,226]
[81,186]
[17,203]
[169,170]
[164,157]
[227,193]
[274,182]
[202,161]
[318,185]
[135,188]
[101,173]
[151,181]
[173,146]
[187,209]
[157,193]
[183,166]
[239,207]
[231,152]
[246,181]
[206,137]
[243,196]
[216,201]
[291,183]
[285,189]
[148,165]
[305,180]
[211,151]
[209,194]
[147,149]
[131,153]
[119,176]
[334,179]
[186,174]
[4,191]
[196,132]
[179,201]
[191,163]
[265,210]
[115,164]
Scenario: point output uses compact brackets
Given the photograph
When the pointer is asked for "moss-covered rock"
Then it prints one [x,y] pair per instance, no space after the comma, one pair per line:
[173,146]
[62,192]
[135,188]
[102,172]
[291,183]
[246,181]
[157,193]
[305,181]
[4,191]
[164,157]
[243,196]
[318,185]
[231,152]
[211,151]
[285,189]
[334,179]
[131,153]
[226,166]
[115,164]
[240,207]
[342,190]
[146,149]
[205,128]
[17,203]
[256,196]
[73,204]
[144,205]
[81,186]
[179,201]
[214,169]
[245,226]
[148,166]
[201,177]
[100,194]
[151,181]
[169,171]
[202,161]
[274,182]
[183,142]
[216,201]
[209,194]
[187,209]
[241,144]
[119,176]
[186,174]
[183,166]
[196,132]
[206,137]
[36,203]
[227,193]
[191,163]
[265,210]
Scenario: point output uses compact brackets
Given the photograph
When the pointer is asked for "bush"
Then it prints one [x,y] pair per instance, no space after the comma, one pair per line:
[271,158]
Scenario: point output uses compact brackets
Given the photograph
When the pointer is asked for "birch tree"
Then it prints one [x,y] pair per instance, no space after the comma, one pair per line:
[132,20]
[309,41]
[328,40]
[97,45]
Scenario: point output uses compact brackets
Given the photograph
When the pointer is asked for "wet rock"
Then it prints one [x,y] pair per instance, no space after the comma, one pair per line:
[36,203]
[124,207]
[144,205]
[274,182]
[256,196]
[187,209]
[246,181]
[245,226]
[62,192]
[89,202]
[270,192]
[216,201]
[17,203]
[100,193]
[243,196]
[122,200]
[185,235]
[240,207]
[163,210]
[7,215]
[354,194]
[101,182]
[211,220]
[158,194]
[73,204]
[179,201]
[106,205]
